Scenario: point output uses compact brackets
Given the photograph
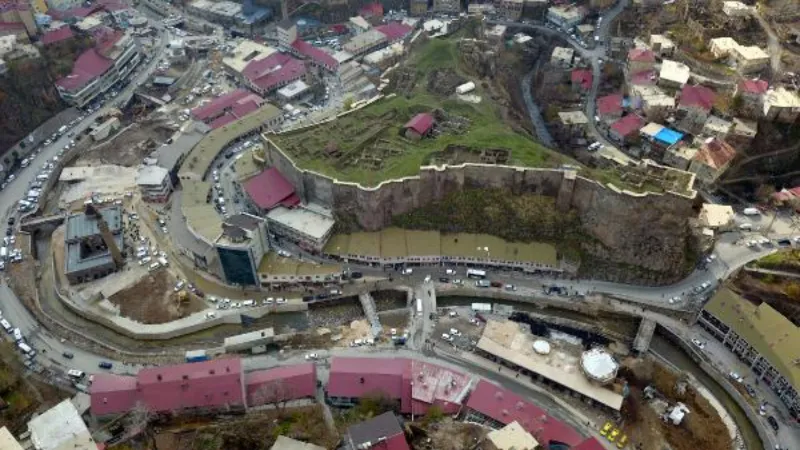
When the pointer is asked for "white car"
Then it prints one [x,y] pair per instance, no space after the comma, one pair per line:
[455,332]
[674,300]
[736,377]
[211,315]
[447,337]
[457,281]
[450,272]
[284,253]
[236,305]
[311,356]
[407,271]
[280,300]
[699,344]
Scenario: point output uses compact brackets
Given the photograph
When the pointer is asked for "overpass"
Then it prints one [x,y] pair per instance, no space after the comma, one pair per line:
[31,224]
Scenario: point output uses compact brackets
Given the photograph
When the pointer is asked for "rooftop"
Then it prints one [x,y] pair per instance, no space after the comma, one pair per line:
[506,340]
[641,55]
[57,35]
[717,125]
[245,52]
[669,136]
[752,52]
[675,72]
[421,123]
[394,30]
[563,53]
[317,55]
[281,383]
[79,225]
[364,40]
[782,98]
[303,221]
[582,77]
[512,437]
[151,176]
[754,86]
[286,443]
[60,427]
[713,215]
[8,441]
[228,102]
[573,118]
[609,104]
[772,335]
[199,213]
[715,153]
[89,65]
[294,88]
[360,23]
[697,96]
[274,265]
[385,427]
[627,125]
[270,189]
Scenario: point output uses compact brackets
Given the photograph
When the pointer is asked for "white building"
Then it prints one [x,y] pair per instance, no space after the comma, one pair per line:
[781,105]
[562,57]
[565,17]
[246,51]
[736,9]
[221,11]
[306,228]
[8,441]
[287,33]
[154,183]
[60,428]
[673,74]
[293,90]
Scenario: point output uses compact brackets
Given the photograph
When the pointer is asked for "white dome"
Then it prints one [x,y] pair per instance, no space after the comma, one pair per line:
[541,347]
[599,365]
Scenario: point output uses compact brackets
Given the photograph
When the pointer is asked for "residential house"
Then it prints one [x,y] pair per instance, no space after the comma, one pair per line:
[762,338]
[640,60]
[562,57]
[712,159]
[736,9]
[581,80]
[717,127]
[680,156]
[565,17]
[695,105]
[742,133]
[662,45]
[653,101]
[749,59]
[781,105]
[673,75]
[751,96]
[419,126]
[510,9]
[383,432]
[626,129]
[716,217]
[609,108]
[572,124]
[722,47]
[395,31]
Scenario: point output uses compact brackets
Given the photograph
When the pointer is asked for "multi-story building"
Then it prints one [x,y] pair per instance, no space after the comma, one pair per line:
[223,12]
[228,108]
[673,74]
[19,11]
[662,45]
[751,94]
[447,6]
[762,338]
[273,72]
[781,105]
[88,255]
[112,59]
[365,42]
[243,54]
[287,33]
[60,428]
[419,7]
[510,9]
[305,228]
[562,57]
[712,159]
[241,247]
[695,105]
[748,59]
[565,17]
[155,183]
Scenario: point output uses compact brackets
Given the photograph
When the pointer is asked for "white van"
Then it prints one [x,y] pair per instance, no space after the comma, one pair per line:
[248,303]
[26,349]
[163,261]
[751,212]
[6,325]
[154,266]
[746,227]
[76,374]
[17,334]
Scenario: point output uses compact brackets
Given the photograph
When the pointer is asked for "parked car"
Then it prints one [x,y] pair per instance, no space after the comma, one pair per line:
[68,355]
[105,365]
[773,423]
[699,344]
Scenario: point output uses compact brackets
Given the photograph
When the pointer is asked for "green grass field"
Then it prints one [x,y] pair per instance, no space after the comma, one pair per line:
[379,125]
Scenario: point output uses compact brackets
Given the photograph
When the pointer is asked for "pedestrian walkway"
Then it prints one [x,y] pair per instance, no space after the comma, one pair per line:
[368,304]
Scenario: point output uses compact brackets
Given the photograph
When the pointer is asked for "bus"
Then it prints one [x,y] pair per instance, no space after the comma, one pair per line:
[419,306]
[477,274]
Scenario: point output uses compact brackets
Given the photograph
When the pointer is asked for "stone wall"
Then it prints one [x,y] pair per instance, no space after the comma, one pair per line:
[630,230]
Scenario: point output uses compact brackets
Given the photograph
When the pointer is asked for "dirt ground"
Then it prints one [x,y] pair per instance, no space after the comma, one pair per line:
[153,300]
[128,148]
[394,319]
[448,435]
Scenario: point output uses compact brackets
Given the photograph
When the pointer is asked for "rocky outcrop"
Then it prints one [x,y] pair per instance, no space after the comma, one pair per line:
[479,56]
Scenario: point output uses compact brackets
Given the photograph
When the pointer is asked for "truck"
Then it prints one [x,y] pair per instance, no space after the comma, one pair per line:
[196,356]
[482,307]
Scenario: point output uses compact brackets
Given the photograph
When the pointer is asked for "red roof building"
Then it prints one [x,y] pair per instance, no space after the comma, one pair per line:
[609,106]
[501,406]
[228,108]
[644,78]
[318,57]
[626,127]
[421,124]
[112,394]
[698,97]
[214,384]
[12,28]
[415,385]
[641,55]
[582,78]
[281,384]
[58,35]
[753,86]
[382,432]
[273,72]
[394,31]
[89,65]
[715,153]
[270,189]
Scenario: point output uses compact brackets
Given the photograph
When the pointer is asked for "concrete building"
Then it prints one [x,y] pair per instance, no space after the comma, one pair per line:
[273,72]
[573,123]
[749,59]
[287,33]
[293,91]
[762,338]
[510,9]
[358,25]
[155,183]
[662,45]
[716,217]
[673,75]
[722,47]
[8,441]
[609,108]
[277,272]
[565,17]
[301,226]
[653,101]
[562,57]
[736,9]
[112,59]
[626,129]
[446,6]
[240,248]
[742,133]
[511,437]
[680,157]
[418,7]
[695,106]
[220,11]
[751,93]
[384,58]
[712,159]
[366,42]
[717,127]
[781,105]
[228,108]
[87,256]
[60,428]
[246,51]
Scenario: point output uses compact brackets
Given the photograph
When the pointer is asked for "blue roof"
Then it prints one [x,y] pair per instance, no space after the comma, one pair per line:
[669,136]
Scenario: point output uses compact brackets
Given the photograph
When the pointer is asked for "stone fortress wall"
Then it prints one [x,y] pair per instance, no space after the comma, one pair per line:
[645,230]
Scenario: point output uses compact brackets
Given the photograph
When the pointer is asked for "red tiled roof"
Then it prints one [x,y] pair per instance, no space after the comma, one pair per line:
[643,78]
[754,86]
[698,97]
[292,69]
[421,123]
[583,77]
[315,54]
[281,384]
[359,377]
[225,104]
[505,407]
[269,188]
[11,27]
[214,383]
[627,125]
[371,10]
[641,55]
[432,384]
[260,67]
[112,394]
[394,31]
[609,104]
[57,35]
[715,153]
[89,65]
[589,444]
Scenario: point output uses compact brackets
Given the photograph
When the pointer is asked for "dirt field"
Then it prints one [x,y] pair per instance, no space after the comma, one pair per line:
[153,300]
[129,148]
[447,435]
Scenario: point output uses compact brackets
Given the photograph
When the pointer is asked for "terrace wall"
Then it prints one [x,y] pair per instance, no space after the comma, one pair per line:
[630,230]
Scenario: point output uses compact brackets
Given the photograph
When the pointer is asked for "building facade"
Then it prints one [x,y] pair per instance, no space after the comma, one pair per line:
[240,248]
[155,184]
